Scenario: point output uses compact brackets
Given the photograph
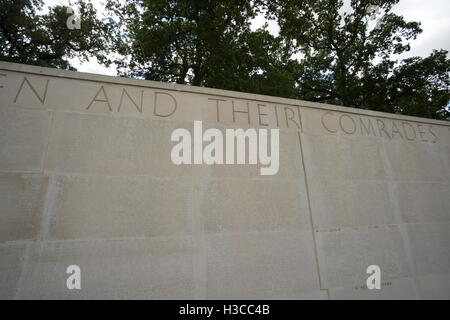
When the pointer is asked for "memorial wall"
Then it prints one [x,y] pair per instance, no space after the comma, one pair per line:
[87,180]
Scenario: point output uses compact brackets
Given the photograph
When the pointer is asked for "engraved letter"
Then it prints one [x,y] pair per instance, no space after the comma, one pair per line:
[323,122]
[259,105]
[352,131]
[406,132]
[100,100]
[434,135]
[41,99]
[238,111]
[368,129]
[156,105]
[380,125]
[395,130]
[139,108]
[421,132]
[290,118]
[217,107]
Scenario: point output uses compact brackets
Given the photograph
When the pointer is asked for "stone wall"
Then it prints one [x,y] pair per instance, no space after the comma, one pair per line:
[86,179]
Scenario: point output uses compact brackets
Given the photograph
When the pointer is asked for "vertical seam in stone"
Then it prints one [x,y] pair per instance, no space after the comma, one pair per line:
[199,240]
[47,147]
[43,234]
[22,271]
[310,210]
[48,205]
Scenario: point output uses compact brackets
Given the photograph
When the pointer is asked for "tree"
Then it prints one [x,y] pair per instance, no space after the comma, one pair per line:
[347,58]
[30,37]
[203,43]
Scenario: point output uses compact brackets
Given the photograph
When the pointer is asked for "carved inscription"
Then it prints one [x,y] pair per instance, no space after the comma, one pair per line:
[34,91]
[138,106]
[159,95]
[115,98]
[350,124]
[101,99]
[256,113]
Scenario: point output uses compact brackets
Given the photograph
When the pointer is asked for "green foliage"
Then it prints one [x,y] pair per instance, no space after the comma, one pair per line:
[28,36]
[348,61]
[204,43]
[345,59]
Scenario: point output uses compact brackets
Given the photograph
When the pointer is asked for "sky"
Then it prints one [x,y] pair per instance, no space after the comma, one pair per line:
[433,15]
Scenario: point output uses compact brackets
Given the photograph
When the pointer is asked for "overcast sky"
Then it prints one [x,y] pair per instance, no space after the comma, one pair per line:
[433,14]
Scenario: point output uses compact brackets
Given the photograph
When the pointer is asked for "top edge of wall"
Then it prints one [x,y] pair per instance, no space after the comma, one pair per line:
[60,73]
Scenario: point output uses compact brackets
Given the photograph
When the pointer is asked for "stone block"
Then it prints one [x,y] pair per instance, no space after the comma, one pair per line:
[22,200]
[11,262]
[350,203]
[23,139]
[423,201]
[430,244]
[345,253]
[237,205]
[435,286]
[260,265]
[93,207]
[159,268]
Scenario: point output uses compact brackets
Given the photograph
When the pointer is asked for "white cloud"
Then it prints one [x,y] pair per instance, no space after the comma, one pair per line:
[92,66]
[272,25]
[433,15]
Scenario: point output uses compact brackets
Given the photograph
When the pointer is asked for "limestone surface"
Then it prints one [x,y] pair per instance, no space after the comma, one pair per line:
[86,179]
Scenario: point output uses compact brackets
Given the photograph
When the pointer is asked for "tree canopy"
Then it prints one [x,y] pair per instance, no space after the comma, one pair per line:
[348,59]
[204,43]
[326,50]
[27,35]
